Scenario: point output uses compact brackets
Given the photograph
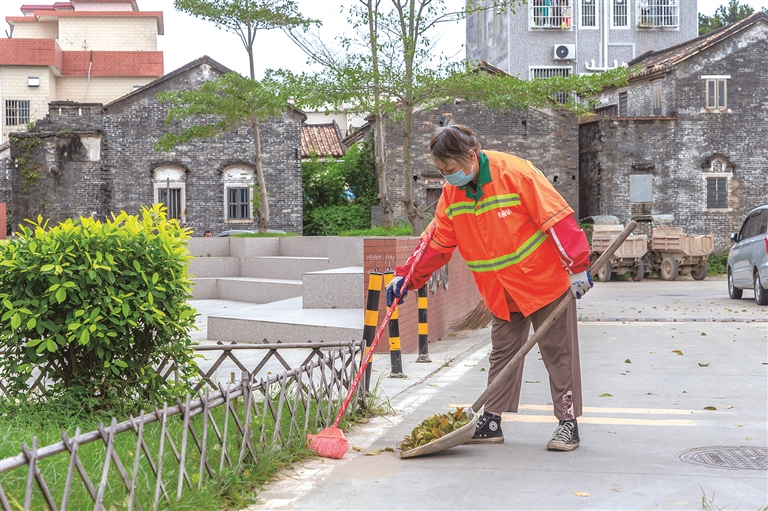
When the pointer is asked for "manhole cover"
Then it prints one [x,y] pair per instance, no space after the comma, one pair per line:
[739,458]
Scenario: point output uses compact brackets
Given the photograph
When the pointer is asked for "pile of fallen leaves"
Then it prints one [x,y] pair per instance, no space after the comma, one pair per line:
[435,427]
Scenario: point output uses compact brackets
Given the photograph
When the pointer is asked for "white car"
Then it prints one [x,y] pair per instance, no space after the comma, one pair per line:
[748,257]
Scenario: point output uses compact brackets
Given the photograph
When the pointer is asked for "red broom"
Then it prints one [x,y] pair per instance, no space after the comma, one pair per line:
[330,442]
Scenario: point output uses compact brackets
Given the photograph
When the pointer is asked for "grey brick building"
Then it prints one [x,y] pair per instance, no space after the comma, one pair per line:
[561,37]
[93,159]
[688,136]
[550,140]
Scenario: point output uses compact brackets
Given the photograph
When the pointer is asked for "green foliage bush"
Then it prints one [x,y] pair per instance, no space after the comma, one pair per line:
[97,307]
[338,195]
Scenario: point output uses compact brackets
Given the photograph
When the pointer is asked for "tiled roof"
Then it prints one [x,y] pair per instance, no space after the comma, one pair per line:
[663,60]
[324,140]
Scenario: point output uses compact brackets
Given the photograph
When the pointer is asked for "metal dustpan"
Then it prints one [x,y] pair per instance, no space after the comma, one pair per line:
[452,439]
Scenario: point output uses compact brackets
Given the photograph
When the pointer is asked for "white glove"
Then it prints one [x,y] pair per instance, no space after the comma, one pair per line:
[581,283]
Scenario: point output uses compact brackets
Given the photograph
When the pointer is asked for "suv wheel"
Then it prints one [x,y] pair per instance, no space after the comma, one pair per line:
[733,291]
[761,295]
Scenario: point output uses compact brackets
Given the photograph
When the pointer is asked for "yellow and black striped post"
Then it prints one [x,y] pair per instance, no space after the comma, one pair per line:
[395,353]
[371,319]
[423,326]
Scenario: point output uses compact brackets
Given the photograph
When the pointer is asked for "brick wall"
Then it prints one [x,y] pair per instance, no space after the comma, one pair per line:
[678,152]
[550,141]
[108,33]
[36,30]
[2,220]
[447,305]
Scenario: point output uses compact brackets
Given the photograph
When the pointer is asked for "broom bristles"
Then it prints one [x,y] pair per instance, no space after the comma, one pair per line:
[329,443]
[479,317]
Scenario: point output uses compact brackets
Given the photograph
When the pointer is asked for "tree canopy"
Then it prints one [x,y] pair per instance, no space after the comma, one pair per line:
[724,15]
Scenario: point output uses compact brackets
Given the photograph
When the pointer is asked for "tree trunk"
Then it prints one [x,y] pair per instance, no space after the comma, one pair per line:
[415,215]
[263,214]
[381,174]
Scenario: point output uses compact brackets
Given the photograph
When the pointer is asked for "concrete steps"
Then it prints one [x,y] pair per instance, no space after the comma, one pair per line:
[284,267]
[285,320]
[288,289]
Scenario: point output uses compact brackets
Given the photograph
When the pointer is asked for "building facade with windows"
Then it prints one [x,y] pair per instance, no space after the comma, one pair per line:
[687,136]
[89,51]
[91,159]
[547,38]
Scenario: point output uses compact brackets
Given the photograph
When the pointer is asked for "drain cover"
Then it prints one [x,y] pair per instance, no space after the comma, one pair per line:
[739,458]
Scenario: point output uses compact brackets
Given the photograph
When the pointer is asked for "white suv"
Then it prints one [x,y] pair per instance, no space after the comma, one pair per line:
[748,258]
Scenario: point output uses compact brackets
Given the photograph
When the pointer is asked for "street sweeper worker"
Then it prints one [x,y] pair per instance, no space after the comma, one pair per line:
[526,252]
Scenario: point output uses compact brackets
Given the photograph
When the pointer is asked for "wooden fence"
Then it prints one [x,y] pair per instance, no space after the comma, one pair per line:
[151,460]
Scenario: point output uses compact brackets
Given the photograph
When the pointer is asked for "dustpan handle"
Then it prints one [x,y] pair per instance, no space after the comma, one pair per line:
[542,330]
[369,355]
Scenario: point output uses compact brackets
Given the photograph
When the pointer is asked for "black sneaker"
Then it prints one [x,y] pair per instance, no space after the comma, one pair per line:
[566,437]
[488,430]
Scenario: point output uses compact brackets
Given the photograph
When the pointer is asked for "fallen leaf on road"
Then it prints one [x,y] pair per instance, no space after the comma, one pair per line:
[702,333]
[605,394]
[703,365]
[627,361]
[729,407]
[431,384]
[710,408]
[482,369]
[616,489]
[378,451]
[739,425]
[651,394]
[677,351]
[580,493]
[532,381]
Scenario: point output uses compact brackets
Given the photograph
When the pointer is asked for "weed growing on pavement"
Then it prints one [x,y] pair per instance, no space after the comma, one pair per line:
[709,503]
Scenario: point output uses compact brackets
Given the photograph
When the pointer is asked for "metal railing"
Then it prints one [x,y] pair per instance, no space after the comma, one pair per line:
[176,448]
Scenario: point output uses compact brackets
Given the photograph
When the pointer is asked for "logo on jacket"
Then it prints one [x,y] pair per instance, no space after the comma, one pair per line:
[504,212]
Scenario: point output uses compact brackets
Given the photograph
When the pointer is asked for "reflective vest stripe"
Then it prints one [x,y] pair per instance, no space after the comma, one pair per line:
[515,257]
[483,206]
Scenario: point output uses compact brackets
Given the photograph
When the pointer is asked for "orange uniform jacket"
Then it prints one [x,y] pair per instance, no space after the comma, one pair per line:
[501,231]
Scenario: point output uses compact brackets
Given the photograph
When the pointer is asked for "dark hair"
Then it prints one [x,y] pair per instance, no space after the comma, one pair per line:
[453,142]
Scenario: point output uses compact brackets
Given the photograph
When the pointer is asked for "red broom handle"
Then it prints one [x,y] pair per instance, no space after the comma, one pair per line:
[380,331]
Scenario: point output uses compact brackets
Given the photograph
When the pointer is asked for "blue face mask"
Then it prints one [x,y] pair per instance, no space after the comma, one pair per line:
[459,178]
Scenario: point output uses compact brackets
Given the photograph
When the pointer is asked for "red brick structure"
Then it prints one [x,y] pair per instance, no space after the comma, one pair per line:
[446,305]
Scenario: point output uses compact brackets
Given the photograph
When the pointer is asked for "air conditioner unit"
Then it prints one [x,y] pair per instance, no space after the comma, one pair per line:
[565,52]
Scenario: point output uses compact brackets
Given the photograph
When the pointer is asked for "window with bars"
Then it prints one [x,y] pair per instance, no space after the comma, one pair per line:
[549,13]
[656,97]
[623,107]
[588,14]
[481,29]
[498,13]
[717,91]
[549,72]
[173,203]
[17,112]
[238,203]
[620,11]
[658,13]
[717,192]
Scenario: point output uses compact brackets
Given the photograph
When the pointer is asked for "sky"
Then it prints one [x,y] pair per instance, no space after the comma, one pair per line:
[187,38]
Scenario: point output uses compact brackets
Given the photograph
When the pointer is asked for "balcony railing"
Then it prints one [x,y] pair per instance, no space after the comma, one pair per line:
[658,13]
[550,14]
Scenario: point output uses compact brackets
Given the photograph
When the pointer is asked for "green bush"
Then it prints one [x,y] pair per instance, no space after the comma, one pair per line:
[717,264]
[97,307]
[332,220]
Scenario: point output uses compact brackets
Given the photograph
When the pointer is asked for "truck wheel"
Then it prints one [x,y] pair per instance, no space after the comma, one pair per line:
[734,292]
[761,295]
[605,272]
[699,272]
[669,268]
[638,272]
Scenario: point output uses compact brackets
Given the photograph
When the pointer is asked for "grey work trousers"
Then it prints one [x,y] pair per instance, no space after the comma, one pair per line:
[559,349]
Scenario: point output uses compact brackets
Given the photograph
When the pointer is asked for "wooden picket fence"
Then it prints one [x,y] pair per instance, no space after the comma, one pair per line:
[149,461]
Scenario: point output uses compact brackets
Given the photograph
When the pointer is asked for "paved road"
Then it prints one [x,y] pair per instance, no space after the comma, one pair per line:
[648,389]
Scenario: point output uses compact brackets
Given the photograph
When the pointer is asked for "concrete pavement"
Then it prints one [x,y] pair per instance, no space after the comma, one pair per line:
[675,403]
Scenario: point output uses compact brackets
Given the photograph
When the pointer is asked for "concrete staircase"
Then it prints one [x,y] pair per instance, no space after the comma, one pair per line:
[292,289]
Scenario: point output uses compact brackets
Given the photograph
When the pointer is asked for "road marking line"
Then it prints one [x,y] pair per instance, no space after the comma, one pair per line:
[595,409]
